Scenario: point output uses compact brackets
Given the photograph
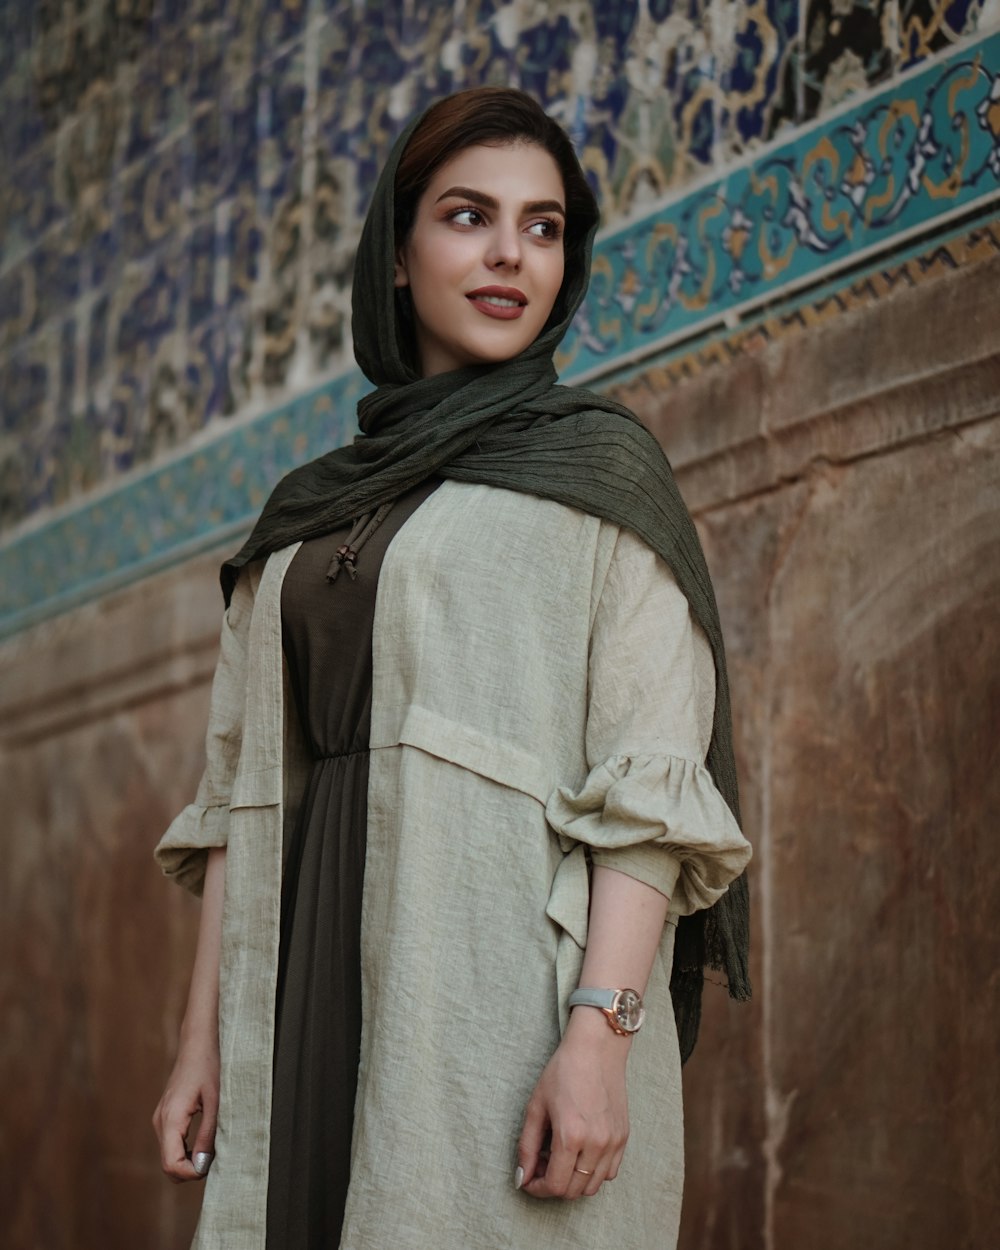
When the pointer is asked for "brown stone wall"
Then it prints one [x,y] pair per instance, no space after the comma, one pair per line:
[849,500]
[846,481]
[103,718]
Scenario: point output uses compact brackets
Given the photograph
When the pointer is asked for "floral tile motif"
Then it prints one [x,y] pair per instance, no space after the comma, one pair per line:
[801,211]
[29,386]
[67,365]
[76,46]
[927,26]
[278,22]
[242,248]
[76,456]
[22,125]
[206,383]
[29,204]
[850,45]
[98,341]
[25,391]
[224,144]
[85,162]
[161,106]
[282,91]
[760,61]
[201,273]
[17,312]
[330,264]
[55,274]
[152,201]
[16,26]
[223,484]
[148,308]
[207,35]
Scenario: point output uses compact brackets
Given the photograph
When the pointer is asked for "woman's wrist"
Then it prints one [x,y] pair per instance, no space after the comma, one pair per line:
[590,1027]
[199,1034]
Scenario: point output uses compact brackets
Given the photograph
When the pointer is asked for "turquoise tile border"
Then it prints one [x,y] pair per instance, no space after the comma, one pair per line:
[170,512]
[925,149]
[900,164]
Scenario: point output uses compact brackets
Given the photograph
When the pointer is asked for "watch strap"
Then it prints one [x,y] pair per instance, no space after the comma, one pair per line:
[605,999]
[610,1002]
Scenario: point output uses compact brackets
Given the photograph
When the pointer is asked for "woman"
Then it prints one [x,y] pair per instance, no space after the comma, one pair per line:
[470,676]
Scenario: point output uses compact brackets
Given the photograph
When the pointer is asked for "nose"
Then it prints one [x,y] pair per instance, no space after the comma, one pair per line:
[504,250]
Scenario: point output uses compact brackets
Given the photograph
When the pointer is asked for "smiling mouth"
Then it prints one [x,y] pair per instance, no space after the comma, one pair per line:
[499,302]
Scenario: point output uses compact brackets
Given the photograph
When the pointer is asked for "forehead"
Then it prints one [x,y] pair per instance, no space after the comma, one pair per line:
[515,173]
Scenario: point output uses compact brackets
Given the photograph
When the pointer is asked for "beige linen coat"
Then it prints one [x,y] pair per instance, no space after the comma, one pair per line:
[540,697]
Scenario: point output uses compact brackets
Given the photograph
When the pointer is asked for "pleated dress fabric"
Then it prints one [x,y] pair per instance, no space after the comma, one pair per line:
[327,639]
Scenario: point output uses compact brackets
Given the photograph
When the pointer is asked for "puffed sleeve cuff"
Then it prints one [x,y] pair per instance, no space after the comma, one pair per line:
[182,852]
[660,819]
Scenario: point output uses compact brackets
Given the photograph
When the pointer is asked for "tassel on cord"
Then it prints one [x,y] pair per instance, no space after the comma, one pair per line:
[346,555]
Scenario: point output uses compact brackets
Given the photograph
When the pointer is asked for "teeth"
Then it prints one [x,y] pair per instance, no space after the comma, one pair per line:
[499,301]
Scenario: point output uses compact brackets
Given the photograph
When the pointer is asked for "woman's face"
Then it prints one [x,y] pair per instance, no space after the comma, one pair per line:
[484,259]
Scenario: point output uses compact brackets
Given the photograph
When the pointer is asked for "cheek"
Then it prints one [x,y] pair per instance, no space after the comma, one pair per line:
[560,273]
[553,280]
[433,268]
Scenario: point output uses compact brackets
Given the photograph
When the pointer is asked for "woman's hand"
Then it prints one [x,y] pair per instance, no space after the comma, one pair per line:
[194,1083]
[193,1086]
[580,1097]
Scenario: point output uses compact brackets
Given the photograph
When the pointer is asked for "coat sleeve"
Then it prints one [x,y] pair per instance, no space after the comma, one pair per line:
[648,806]
[182,852]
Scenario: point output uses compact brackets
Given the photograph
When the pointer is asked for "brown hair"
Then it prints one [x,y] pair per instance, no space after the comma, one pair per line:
[492,116]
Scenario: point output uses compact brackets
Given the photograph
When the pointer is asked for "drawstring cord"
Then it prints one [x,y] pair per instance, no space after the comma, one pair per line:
[346,555]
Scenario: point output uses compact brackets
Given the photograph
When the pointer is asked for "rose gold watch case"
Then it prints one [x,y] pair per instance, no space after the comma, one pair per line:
[626,1006]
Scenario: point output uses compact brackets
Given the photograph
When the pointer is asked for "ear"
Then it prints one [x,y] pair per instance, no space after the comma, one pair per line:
[401,278]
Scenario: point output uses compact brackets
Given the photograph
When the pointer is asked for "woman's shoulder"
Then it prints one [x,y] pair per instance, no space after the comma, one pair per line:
[257,577]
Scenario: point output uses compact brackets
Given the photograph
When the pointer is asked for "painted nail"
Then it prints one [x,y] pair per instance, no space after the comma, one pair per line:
[202,1162]
[518,1177]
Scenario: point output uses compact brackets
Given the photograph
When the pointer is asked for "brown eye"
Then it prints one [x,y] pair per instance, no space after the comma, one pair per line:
[461,213]
[546,229]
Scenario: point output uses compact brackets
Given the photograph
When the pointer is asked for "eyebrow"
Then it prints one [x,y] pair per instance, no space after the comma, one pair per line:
[487,201]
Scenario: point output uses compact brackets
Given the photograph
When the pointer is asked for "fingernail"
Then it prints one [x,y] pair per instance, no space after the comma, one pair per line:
[202,1162]
[518,1177]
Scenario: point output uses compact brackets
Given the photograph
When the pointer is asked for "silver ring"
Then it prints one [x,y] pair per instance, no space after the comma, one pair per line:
[582,1172]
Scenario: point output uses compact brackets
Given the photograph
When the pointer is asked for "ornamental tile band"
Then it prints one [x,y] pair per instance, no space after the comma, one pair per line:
[220,154]
[894,169]
[855,185]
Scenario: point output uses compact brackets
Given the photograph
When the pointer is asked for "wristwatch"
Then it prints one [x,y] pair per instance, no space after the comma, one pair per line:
[623,1008]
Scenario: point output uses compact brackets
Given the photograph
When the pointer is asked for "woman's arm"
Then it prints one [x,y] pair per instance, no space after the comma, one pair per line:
[580,1095]
[656,827]
[193,1084]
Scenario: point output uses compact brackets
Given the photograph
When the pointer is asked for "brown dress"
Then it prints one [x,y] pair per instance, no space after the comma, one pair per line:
[327,638]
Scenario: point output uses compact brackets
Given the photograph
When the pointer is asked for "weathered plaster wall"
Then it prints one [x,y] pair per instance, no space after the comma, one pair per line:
[103,715]
[851,515]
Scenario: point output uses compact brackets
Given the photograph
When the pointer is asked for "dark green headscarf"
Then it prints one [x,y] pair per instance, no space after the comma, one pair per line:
[511,426]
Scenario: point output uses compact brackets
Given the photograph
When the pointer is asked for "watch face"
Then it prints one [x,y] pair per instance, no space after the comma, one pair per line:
[629,1011]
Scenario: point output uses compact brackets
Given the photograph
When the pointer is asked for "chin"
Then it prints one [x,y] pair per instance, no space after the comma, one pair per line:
[495,353]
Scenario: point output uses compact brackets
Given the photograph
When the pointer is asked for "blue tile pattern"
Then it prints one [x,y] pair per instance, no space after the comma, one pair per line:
[849,45]
[811,204]
[892,165]
[174,511]
[182,183]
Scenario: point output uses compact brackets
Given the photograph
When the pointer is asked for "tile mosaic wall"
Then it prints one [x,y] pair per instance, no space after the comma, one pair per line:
[891,166]
[182,183]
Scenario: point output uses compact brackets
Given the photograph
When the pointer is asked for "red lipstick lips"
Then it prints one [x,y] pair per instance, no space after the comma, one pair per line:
[503,302]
